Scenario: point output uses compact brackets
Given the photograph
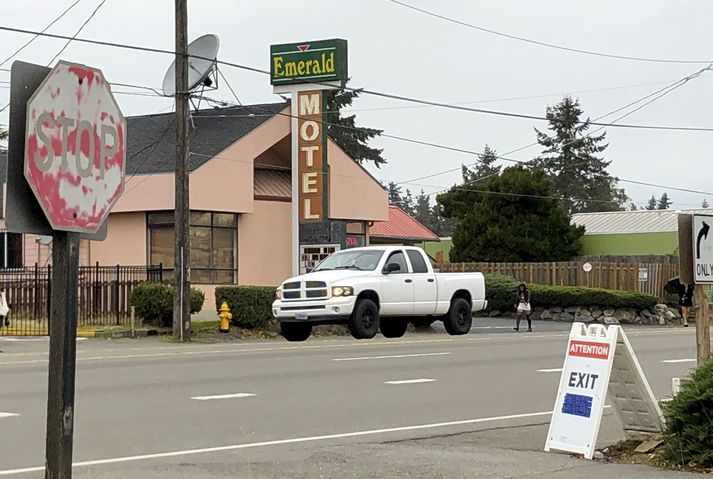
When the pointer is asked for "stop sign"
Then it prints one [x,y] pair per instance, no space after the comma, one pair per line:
[75,148]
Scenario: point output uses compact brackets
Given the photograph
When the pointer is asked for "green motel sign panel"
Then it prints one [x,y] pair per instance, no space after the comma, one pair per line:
[308,62]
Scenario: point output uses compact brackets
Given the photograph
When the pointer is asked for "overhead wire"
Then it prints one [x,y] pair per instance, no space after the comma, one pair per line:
[58,18]
[363,90]
[79,30]
[544,44]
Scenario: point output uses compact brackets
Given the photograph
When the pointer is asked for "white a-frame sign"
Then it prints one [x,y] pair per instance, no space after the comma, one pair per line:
[599,360]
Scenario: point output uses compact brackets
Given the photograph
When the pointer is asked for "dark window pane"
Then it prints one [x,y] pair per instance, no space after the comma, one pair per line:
[161,247]
[200,276]
[223,277]
[223,248]
[200,247]
[163,218]
[3,259]
[200,219]
[417,261]
[224,219]
[14,250]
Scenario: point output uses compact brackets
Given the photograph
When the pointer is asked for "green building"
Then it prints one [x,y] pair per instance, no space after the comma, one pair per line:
[631,233]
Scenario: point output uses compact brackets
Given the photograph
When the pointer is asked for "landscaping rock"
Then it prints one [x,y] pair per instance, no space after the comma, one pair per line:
[546,315]
[555,316]
[660,307]
[608,312]
[556,309]
[610,320]
[596,313]
[573,309]
[624,316]
[646,313]
[566,317]
[668,315]
[494,313]
[662,322]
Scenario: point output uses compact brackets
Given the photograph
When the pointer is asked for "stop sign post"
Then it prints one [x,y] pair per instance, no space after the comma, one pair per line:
[73,150]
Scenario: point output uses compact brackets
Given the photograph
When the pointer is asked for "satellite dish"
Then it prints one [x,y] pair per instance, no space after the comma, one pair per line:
[199,69]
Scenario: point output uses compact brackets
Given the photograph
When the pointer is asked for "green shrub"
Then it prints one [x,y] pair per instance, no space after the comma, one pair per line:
[251,305]
[501,296]
[689,421]
[154,302]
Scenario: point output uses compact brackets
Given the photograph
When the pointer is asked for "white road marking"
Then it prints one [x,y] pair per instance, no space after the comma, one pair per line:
[7,414]
[223,396]
[189,452]
[42,339]
[411,381]
[394,356]
[670,361]
[553,370]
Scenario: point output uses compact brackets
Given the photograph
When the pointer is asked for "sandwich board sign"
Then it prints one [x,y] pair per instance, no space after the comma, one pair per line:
[595,368]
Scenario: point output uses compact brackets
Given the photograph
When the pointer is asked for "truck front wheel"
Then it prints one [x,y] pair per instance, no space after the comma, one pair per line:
[394,327]
[364,321]
[295,331]
[459,318]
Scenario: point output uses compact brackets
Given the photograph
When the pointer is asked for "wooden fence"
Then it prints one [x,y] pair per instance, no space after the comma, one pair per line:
[104,295]
[645,276]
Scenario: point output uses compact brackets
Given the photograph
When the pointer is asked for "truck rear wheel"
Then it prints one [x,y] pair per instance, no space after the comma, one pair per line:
[394,327]
[364,321]
[459,318]
[295,331]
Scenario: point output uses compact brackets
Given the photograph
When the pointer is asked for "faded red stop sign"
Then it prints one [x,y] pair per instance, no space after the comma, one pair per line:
[75,150]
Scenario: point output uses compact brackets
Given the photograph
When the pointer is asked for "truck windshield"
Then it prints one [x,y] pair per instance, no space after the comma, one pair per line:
[358,260]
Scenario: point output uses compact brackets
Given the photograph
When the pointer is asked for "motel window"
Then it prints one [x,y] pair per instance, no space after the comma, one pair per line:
[213,245]
[10,250]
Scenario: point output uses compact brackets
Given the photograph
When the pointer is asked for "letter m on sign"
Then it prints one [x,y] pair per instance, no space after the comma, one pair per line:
[310,104]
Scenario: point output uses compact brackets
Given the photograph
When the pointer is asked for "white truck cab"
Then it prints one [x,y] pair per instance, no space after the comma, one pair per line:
[377,287]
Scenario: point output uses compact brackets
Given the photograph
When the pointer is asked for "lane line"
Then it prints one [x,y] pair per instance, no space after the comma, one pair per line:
[671,361]
[224,396]
[394,356]
[371,432]
[411,381]
[553,370]
[7,414]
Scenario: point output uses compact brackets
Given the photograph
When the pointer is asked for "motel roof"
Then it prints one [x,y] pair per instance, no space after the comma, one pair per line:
[401,226]
[151,146]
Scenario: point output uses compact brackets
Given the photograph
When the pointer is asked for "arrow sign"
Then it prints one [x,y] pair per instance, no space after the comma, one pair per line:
[702,234]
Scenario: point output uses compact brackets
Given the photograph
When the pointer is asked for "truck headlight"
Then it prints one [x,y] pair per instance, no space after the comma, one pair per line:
[278,294]
[342,290]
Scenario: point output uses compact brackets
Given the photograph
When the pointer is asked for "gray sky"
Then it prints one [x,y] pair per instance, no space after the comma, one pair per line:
[396,50]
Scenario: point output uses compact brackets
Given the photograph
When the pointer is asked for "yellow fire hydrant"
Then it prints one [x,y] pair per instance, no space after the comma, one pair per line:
[225,316]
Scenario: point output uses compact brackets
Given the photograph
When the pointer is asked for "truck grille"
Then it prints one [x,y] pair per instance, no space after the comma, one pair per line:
[304,290]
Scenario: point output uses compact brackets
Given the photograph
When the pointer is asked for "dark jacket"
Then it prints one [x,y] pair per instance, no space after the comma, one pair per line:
[685,295]
[525,293]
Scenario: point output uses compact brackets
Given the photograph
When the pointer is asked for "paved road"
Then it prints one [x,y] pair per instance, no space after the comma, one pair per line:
[424,405]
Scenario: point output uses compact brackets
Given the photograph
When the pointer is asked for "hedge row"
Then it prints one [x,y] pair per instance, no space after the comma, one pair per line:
[501,293]
[153,302]
[251,305]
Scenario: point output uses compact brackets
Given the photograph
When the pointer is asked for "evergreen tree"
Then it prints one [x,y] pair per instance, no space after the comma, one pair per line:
[652,204]
[394,194]
[343,130]
[520,223]
[664,203]
[407,203]
[422,210]
[633,207]
[441,225]
[705,203]
[484,167]
[572,161]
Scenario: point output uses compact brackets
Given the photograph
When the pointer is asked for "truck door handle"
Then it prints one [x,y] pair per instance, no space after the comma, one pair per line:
[431,280]
[408,280]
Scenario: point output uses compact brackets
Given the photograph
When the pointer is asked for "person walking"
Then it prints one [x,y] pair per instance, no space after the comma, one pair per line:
[685,301]
[523,307]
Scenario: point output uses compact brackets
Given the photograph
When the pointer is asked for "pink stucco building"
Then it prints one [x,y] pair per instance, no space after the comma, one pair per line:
[240,198]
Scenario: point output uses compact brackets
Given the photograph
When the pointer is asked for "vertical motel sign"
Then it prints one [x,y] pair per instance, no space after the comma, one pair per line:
[305,70]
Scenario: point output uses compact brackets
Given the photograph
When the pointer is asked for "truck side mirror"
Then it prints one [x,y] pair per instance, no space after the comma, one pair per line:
[392,268]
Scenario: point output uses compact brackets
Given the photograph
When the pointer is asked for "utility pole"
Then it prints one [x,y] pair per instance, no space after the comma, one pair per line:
[703,325]
[182,284]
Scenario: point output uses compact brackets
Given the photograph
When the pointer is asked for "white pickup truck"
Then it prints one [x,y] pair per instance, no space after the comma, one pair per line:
[377,287]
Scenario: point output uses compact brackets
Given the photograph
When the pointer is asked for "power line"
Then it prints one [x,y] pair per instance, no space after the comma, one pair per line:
[66,10]
[543,44]
[362,90]
[79,30]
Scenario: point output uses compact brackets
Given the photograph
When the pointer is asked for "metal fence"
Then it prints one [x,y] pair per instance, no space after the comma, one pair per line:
[104,296]
[649,275]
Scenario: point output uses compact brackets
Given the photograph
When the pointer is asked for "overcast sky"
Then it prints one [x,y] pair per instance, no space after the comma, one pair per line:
[397,50]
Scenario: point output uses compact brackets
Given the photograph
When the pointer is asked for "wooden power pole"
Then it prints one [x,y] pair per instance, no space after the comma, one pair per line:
[182,295]
[703,325]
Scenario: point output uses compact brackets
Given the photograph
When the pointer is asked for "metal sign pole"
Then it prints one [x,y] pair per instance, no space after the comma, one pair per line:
[62,355]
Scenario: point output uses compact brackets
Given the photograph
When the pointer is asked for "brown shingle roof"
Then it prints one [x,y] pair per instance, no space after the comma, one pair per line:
[272,184]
